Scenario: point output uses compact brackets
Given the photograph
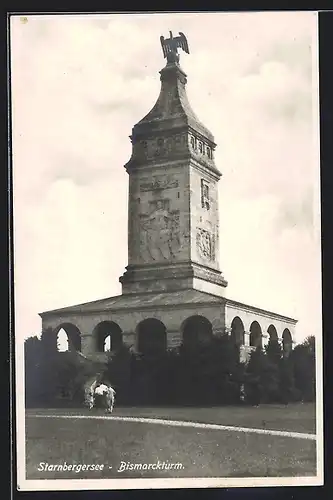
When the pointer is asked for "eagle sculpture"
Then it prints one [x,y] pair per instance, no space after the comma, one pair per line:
[170,46]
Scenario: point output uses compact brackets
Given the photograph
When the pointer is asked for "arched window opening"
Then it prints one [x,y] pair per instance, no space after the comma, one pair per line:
[108,337]
[287,342]
[237,331]
[152,337]
[68,338]
[273,336]
[255,335]
[196,330]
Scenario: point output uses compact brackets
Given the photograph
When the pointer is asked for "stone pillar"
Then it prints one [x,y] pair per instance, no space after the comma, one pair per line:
[244,354]
[88,345]
[174,339]
[246,338]
[246,349]
[130,340]
[265,339]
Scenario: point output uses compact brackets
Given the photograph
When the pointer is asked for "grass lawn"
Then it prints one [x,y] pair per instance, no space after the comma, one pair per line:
[202,452]
[293,417]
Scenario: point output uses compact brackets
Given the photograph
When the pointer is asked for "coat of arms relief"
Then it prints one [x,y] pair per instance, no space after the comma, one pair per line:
[205,244]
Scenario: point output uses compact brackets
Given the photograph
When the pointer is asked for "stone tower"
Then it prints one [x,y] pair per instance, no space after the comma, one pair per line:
[173,218]
[173,288]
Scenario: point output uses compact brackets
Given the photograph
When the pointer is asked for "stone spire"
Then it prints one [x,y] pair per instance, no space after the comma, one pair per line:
[173,236]
[173,113]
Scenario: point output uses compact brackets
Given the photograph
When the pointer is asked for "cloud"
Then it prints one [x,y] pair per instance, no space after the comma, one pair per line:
[278,92]
[297,213]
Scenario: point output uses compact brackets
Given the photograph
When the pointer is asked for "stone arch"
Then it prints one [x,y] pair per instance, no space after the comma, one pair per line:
[272,332]
[196,329]
[108,336]
[151,336]
[237,331]
[255,334]
[287,341]
[73,335]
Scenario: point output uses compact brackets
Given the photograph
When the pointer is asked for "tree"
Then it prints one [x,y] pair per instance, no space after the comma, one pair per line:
[210,372]
[261,377]
[40,359]
[32,359]
[52,376]
[284,390]
[49,352]
[303,358]
[287,391]
[274,350]
[48,340]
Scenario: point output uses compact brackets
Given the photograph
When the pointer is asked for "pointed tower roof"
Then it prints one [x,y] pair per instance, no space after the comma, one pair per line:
[171,131]
[172,108]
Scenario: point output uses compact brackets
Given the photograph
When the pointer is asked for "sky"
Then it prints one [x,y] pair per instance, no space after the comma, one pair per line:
[80,82]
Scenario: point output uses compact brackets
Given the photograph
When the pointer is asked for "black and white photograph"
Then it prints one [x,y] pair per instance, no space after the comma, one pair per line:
[167,250]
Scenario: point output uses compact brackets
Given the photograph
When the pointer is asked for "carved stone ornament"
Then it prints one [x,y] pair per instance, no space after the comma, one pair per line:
[160,233]
[162,147]
[205,244]
[158,182]
[168,146]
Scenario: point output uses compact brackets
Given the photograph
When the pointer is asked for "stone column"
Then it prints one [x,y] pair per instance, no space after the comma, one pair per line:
[88,345]
[246,349]
[244,354]
[174,339]
[129,339]
[265,339]
[246,338]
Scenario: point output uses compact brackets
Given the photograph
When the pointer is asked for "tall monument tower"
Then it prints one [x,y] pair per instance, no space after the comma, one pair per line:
[173,218]
[173,288]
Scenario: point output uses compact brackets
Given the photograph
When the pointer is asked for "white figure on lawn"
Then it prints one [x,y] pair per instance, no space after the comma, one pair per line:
[96,387]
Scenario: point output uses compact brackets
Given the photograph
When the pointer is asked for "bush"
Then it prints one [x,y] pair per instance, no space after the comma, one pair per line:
[304,368]
[198,375]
